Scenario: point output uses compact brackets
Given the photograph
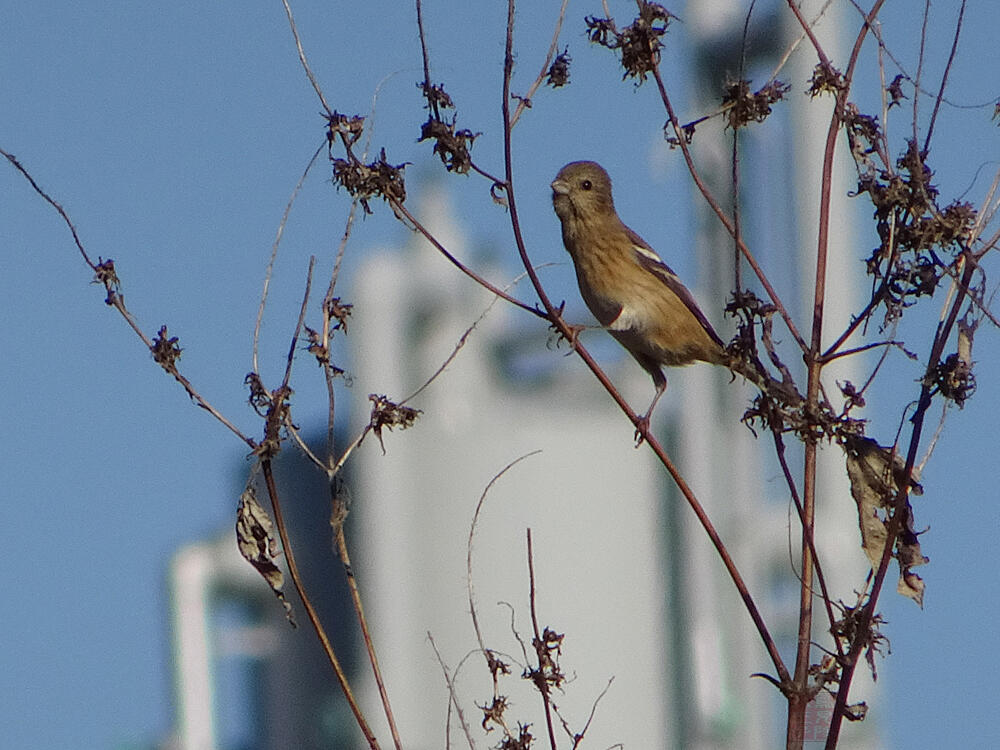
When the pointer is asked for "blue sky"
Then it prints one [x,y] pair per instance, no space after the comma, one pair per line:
[173,136]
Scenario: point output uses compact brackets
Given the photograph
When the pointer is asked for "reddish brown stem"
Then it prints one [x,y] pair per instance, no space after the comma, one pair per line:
[801,694]
[352,586]
[895,523]
[557,321]
[539,643]
[721,214]
[293,571]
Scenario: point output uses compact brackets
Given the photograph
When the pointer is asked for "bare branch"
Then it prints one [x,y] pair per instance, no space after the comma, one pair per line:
[106,274]
[339,513]
[303,60]
[525,101]
[538,641]
[944,78]
[293,571]
[274,255]
[471,537]
[452,693]
[718,211]
[298,325]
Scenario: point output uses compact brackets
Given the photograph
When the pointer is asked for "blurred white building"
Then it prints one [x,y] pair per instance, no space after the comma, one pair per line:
[622,568]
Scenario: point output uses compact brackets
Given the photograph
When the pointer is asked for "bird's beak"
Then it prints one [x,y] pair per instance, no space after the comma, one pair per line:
[559,188]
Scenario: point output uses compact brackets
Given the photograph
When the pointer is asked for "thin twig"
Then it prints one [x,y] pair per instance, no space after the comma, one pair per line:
[461,266]
[471,537]
[918,468]
[473,611]
[303,60]
[723,553]
[298,325]
[52,202]
[856,322]
[508,72]
[293,570]
[329,371]
[883,132]
[352,586]
[488,653]
[274,255]
[577,737]
[987,212]
[543,686]
[458,346]
[525,101]
[452,693]
[826,359]
[895,523]
[335,469]
[719,212]
[795,44]
[432,102]
[920,68]
[296,436]
[454,353]
[117,301]
[735,163]
[807,29]
[779,448]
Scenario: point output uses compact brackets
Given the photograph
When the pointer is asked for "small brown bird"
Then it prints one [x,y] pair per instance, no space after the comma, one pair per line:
[628,288]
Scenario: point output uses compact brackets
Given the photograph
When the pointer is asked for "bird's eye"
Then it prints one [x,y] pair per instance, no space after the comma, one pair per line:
[586,184]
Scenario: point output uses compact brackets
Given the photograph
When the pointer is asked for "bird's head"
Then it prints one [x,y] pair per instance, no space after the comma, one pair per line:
[582,188]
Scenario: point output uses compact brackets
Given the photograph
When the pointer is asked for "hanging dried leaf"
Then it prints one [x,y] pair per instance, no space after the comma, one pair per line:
[874,486]
[255,537]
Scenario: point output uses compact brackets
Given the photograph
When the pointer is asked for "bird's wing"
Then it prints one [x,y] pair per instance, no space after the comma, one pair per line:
[650,261]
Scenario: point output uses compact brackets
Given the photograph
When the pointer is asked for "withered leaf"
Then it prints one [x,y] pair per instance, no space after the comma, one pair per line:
[255,538]
[875,482]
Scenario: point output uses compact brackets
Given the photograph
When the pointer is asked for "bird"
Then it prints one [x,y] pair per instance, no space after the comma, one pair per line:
[633,294]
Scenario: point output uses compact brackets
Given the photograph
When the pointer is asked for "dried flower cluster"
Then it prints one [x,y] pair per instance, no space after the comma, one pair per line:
[639,43]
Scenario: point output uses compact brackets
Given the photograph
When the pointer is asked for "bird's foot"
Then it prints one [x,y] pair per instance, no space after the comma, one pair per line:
[570,335]
[641,430]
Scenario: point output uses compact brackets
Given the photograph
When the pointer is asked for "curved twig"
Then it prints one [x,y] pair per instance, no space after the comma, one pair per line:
[303,60]
[525,101]
[274,255]
[104,272]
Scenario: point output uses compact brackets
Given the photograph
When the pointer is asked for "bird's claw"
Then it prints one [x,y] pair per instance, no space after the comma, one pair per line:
[574,335]
[570,335]
[641,429]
